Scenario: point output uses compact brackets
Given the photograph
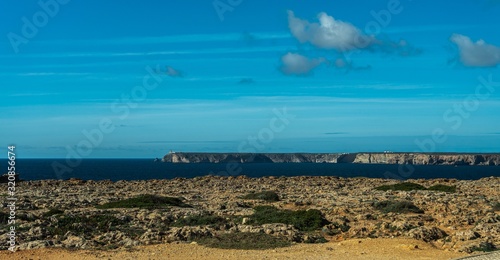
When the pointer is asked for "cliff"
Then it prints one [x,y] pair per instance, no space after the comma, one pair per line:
[375,158]
[251,158]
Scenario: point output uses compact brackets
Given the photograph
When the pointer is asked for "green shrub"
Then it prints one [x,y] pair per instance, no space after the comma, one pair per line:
[404,186]
[445,188]
[344,227]
[314,237]
[409,186]
[146,202]
[397,207]
[4,218]
[52,212]
[304,220]
[199,220]
[484,247]
[496,206]
[84,225]
[264,195]
[244,240]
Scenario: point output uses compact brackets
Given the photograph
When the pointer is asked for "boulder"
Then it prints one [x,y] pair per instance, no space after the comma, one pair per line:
[426,234]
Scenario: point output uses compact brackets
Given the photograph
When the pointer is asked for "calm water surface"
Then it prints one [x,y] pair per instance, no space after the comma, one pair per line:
[144,169]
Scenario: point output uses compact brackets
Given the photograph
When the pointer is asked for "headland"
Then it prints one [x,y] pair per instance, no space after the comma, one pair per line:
[368,158]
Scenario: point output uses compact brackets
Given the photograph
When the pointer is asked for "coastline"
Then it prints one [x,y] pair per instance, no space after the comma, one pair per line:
[457,159]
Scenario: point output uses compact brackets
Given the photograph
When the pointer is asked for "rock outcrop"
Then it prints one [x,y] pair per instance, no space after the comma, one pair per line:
[428,158]
[373,158]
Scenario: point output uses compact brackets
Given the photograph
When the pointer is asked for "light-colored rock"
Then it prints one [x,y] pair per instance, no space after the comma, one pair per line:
[73,241]
[426,234]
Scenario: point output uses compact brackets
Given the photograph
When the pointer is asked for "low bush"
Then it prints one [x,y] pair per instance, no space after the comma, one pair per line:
[344,227]
[244,240]
[314,237]
[304,220]
[146,202]
[397,207]
[84,225]
[409,186]
[264,195]
[484,247]
[496,206]
[4,218]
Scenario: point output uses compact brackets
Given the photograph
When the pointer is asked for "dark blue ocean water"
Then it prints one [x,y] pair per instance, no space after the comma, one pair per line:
[144,169]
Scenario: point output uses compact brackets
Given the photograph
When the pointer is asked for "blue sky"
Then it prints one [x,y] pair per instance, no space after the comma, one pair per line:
[351,76]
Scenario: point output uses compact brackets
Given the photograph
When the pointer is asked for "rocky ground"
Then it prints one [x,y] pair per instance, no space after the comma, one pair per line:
[465,221]
[366,249]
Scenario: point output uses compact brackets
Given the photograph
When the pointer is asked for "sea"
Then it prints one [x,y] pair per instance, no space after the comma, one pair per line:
[147,169]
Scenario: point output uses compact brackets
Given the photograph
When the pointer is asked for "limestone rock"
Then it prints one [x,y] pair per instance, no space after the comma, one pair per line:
[426,234]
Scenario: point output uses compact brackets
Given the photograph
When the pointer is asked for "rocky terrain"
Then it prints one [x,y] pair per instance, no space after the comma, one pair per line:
[66,214]
[375,158]
[354,249]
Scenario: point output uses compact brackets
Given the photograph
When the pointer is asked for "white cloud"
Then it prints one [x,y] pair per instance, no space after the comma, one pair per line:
[53,74]
[328,33]
[476,54]
[296,64]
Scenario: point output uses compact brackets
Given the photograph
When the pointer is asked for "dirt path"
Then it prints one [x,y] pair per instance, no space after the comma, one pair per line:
[351,249]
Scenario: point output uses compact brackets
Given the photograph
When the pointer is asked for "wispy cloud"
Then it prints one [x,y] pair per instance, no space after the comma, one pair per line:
[169,39]
[402,47]
[170,71]
[336,133]
[360,100]
[36,74]
[229,78]
[33,94]
[182,142]
[377,86]
[153,53]
[296,64]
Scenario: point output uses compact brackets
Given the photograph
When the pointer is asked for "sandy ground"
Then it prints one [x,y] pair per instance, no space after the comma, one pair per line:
[351,249]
